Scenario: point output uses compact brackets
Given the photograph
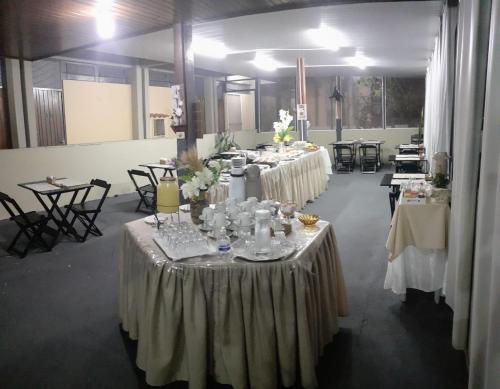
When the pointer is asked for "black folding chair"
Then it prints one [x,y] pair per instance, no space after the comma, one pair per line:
[344,158]
[87,214]
[147,193]
[31,224]
[393,197]
[368,158]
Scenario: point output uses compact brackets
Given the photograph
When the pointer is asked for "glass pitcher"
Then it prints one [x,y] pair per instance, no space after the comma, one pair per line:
[262,231]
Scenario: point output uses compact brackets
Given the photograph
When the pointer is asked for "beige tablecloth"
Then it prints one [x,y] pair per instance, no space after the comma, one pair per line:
[300,180]
[250,325]
[424,226]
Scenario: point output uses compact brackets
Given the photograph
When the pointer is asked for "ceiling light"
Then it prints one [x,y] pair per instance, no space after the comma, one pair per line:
[327,37]
[105,21]
[360,61]
[265,62]
[209,47]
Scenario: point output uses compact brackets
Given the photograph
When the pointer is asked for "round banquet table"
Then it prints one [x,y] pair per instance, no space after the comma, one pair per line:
[250,325]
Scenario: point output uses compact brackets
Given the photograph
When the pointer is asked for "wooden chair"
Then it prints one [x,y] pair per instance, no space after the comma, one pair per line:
[87,214]
[33,225]
[147,193]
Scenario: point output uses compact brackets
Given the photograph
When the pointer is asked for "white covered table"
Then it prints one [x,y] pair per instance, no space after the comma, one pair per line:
[300,180]
[246,324]
[417,246]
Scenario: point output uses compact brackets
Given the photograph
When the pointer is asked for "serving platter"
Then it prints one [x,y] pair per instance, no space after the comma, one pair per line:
[249,255]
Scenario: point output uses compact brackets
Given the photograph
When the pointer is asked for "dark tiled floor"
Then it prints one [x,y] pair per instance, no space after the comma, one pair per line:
[59,326]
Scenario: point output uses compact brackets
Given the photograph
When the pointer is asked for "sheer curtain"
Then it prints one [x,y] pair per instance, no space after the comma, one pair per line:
[484,337]
[472,46]
[439,87]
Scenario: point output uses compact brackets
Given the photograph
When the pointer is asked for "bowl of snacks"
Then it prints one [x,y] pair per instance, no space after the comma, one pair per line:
[311,147]
[308,220]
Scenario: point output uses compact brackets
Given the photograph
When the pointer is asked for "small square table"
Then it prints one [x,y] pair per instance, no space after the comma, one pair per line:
[53,194]
[166,169]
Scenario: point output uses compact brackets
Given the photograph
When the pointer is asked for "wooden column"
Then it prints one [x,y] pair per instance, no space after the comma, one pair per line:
[184,76]
[300,91]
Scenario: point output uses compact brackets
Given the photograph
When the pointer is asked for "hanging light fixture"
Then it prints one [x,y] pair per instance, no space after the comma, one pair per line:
[105,22]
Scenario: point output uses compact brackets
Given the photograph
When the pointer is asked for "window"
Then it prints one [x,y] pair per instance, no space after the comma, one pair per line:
[405,98]
[362,103]
[319,104]
[275,95]
[161,78]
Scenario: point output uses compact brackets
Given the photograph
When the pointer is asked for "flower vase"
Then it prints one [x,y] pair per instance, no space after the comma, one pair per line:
[196,208]
[281,146]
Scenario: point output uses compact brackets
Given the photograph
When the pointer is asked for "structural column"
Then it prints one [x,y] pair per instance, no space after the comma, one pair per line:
[138,113]
[184,76]
[22,117]
[300,91]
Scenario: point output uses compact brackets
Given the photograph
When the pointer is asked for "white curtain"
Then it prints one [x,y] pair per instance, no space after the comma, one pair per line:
[439,87]
[484,337]
[472,42]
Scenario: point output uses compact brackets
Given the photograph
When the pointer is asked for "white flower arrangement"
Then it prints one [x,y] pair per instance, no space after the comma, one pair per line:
[197,182]
[282,128]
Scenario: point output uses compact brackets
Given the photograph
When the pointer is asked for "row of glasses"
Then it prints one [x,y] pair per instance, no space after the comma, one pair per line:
[182,239]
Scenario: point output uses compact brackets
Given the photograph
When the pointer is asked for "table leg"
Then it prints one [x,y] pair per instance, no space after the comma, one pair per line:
[49,217]
[63,224]
[437,295]
[152,170]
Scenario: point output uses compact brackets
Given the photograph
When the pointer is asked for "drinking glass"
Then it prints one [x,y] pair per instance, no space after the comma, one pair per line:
[288,209]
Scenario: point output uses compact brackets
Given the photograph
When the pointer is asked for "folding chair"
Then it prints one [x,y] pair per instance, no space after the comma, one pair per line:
[32,224]
[344,158]
[393,197]
[86,214]
[147,193]
[368,158]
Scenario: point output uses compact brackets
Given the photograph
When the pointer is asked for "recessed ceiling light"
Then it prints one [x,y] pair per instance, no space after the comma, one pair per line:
[209,47]
[327,37]
[265,62]
[360,61]
[105,22]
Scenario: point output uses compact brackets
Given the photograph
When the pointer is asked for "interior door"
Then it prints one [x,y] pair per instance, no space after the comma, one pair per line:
[49,116]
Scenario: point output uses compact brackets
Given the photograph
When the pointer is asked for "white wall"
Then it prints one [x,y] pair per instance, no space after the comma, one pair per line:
[109,161]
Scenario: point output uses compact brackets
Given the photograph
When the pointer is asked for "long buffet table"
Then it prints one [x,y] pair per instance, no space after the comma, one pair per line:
[246,324]
[299,180]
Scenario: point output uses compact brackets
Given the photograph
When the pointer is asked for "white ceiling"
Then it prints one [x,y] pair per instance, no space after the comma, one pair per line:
[397,38]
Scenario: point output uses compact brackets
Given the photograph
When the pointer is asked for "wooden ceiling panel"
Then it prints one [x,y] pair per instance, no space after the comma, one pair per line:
[34,29]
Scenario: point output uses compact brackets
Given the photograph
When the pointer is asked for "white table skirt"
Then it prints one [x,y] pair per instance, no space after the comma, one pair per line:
[301,180]
[250,325]
[417,269]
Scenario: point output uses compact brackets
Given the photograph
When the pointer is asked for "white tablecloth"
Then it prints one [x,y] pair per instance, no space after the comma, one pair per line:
[417,269]
[300,180]
[250,325]
[417,246]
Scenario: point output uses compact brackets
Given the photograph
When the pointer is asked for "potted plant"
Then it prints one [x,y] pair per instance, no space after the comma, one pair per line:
[225,141]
